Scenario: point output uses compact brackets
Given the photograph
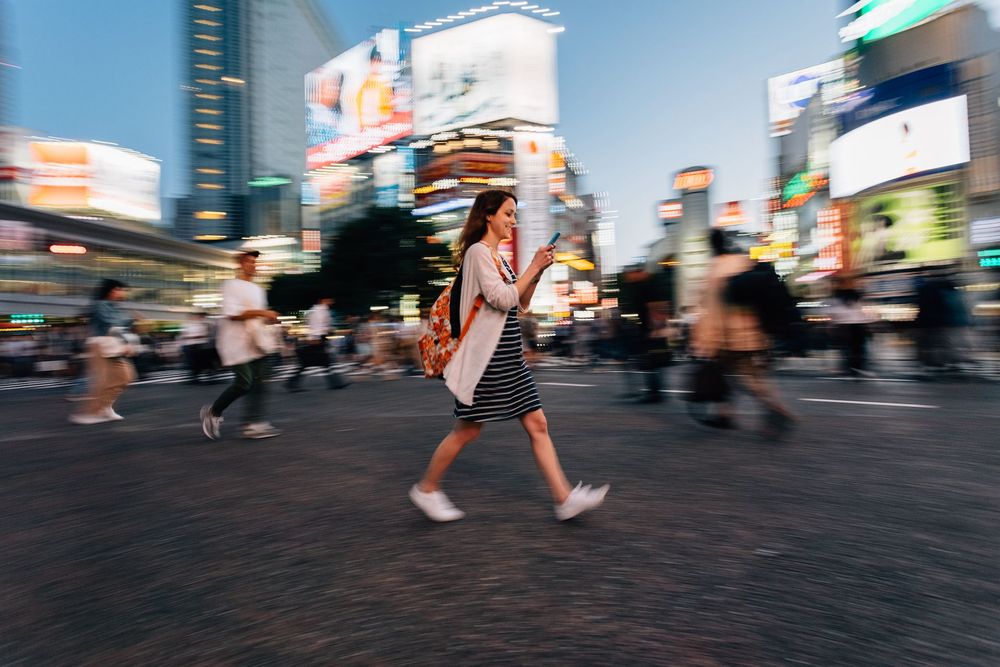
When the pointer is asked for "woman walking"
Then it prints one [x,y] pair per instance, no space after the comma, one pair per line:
[488,374]
[109,370]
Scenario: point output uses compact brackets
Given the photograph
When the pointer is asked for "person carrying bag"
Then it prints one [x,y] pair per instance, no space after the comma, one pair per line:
[108,348]
[487,373]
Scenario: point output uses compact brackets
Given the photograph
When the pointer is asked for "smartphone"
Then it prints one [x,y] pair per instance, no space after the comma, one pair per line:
[555,237]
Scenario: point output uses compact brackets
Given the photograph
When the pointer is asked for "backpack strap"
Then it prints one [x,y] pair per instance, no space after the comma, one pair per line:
[478,303]
[476,306]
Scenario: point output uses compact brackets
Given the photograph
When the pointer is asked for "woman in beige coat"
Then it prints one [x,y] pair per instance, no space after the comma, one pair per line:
[488,374]
[733,335]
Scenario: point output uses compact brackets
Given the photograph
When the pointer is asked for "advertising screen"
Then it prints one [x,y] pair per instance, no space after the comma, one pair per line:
[907,228]
[918,140]
[902,92]
[82,176]
[788,95]
[359,100]
[534,224]
[881,18]
[495,68]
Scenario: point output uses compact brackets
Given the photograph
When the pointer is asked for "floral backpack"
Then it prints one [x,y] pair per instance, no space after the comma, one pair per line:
[439,343]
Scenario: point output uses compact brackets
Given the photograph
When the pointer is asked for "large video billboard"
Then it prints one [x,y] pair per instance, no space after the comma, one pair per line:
[882,18]
[918,140]
[788,95]
[359,100]
[500,67]
[907,228]
[80,176]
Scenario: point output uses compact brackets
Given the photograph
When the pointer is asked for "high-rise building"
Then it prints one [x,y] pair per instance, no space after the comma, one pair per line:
[245,63]
[8,138]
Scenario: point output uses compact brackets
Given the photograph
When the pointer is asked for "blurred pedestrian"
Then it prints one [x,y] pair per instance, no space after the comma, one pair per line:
[243,346]
[852,330]
[108,348]
[197,347]
[313,351]
[488,374]
[733,335]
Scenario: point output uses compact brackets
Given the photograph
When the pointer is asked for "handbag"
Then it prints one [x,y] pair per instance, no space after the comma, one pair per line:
[707,382]
[113,346]
[265,337]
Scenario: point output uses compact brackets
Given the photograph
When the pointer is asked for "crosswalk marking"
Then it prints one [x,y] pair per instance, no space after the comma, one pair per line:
[891,405]
[179,376]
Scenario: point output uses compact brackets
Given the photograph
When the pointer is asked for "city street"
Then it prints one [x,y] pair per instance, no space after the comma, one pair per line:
[867,537]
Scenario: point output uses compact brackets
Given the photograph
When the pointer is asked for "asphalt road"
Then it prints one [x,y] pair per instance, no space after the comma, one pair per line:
[869,537]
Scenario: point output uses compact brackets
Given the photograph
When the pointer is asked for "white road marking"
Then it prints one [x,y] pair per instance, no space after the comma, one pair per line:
[868,379]
[890,405]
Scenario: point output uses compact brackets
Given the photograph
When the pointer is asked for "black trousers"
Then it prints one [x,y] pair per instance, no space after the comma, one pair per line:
[312,355]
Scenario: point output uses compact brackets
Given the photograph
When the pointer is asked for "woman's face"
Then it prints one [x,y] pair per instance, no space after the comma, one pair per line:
[329,91]
[117,294]
[504,220]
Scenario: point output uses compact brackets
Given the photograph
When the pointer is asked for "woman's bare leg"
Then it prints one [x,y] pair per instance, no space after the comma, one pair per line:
[537,428]
[461,434]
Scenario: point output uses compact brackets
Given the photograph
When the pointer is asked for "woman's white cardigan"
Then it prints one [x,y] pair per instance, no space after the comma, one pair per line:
[479,276]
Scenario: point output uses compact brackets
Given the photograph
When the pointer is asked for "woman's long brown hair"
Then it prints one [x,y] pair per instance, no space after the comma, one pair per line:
[488,202]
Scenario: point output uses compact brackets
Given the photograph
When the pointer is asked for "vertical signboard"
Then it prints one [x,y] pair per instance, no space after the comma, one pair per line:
[531,165]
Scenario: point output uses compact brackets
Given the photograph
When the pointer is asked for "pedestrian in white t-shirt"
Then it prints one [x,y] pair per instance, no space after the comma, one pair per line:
[241,343]
[313,351]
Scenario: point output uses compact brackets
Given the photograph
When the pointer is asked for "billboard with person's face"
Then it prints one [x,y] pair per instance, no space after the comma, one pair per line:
[908,228]
[492,69]
[359,100]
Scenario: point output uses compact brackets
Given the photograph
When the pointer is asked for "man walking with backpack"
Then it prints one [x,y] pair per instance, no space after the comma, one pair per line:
[730,330]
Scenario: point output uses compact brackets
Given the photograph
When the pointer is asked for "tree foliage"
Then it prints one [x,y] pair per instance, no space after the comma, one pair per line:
[373,261]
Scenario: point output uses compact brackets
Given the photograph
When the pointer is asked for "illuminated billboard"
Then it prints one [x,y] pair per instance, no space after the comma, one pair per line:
[881,18]
[915,141]
[90,177]
[670,210]
[359,100]
[695,178]
[730,214]
[534,224]
[788,95]
[908,228]
[496,68]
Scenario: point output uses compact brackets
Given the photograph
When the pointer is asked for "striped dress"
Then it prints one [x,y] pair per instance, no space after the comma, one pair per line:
[507,389]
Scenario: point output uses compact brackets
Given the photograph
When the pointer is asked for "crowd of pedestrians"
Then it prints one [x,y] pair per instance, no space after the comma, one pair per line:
[743,321]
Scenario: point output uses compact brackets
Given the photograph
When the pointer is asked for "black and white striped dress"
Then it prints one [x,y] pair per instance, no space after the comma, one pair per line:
[507,389]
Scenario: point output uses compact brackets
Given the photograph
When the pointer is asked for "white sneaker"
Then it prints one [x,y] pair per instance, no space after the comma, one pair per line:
[86,420]
[581,499]
[112,415]
[435,505]
[210,424]
[260,430]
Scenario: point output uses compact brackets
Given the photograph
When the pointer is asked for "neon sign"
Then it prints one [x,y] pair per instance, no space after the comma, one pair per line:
[670,209]
[881,18]
[801,187]
[696,179]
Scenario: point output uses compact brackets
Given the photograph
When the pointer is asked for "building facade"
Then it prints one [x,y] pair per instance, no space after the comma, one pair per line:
[245,61]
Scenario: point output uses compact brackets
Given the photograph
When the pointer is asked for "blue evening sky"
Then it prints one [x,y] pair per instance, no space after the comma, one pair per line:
[646,87]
